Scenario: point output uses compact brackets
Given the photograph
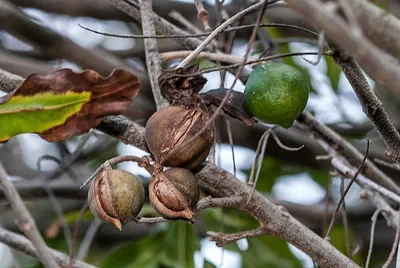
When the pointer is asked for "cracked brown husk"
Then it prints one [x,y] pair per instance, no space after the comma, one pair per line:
[116,196]
[172,133]
[174,193]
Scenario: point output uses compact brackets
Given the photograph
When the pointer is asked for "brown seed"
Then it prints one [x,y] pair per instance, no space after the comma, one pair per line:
[174,193]
[169,132]
[116,196]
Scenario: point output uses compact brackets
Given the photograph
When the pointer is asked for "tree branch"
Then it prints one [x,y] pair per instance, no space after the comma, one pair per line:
[377,64]
[222,239]
[205,55]
[379,26]
[202,15]
[9,81]
[21,244]
[372,106]
[224,202]
[23,65]
[24,220]
[153,59]
[214,33]
[274,219]
[161,25]
[344,148]
[18,24]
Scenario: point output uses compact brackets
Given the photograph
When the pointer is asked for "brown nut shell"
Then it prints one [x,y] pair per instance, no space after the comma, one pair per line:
[116,196]
[174,193]
[168,132]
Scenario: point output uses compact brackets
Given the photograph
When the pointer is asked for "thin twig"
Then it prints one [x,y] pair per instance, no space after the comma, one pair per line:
[230,138]
[348,11]
[370,102]
[88,239]
[202,15]
[394,247]
[345,221]
[222,239]
[326,202]
[113,161]
[391,216]
[394,166]
[161,25]
[222,202]
[25,221]
[321,40]
[341,165]
[53,200]
[214,33]
[182,20]
[206,55]
[377,64]
[259,157]
[185,36]
[213,149]
[346,149]
[153,59]
[21,244]
[151,220]
[76,232]
[237,60]
[286,40]
[398,257]
[261,60]
[341,201]
[374,219]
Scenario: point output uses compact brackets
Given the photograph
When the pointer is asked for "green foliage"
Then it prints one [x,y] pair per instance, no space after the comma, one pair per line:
[172,247]
[272,169]
[72,216]
[204,64]
[263,251]
[333,72]
[268,251]
[39,112]
[228,220]
[338,240]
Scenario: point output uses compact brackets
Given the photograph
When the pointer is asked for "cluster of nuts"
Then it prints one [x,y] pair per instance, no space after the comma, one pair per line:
[178,136]
[117,196]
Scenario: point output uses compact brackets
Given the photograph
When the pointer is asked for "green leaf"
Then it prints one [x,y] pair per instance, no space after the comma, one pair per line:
[64,103]
[171,247]
[204,64]
[333,73]
[338,240]
[320,176]
[180,245]
[141,253]
[72,216]
[208,264]
[271,170]
[233,221]
[267,251]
